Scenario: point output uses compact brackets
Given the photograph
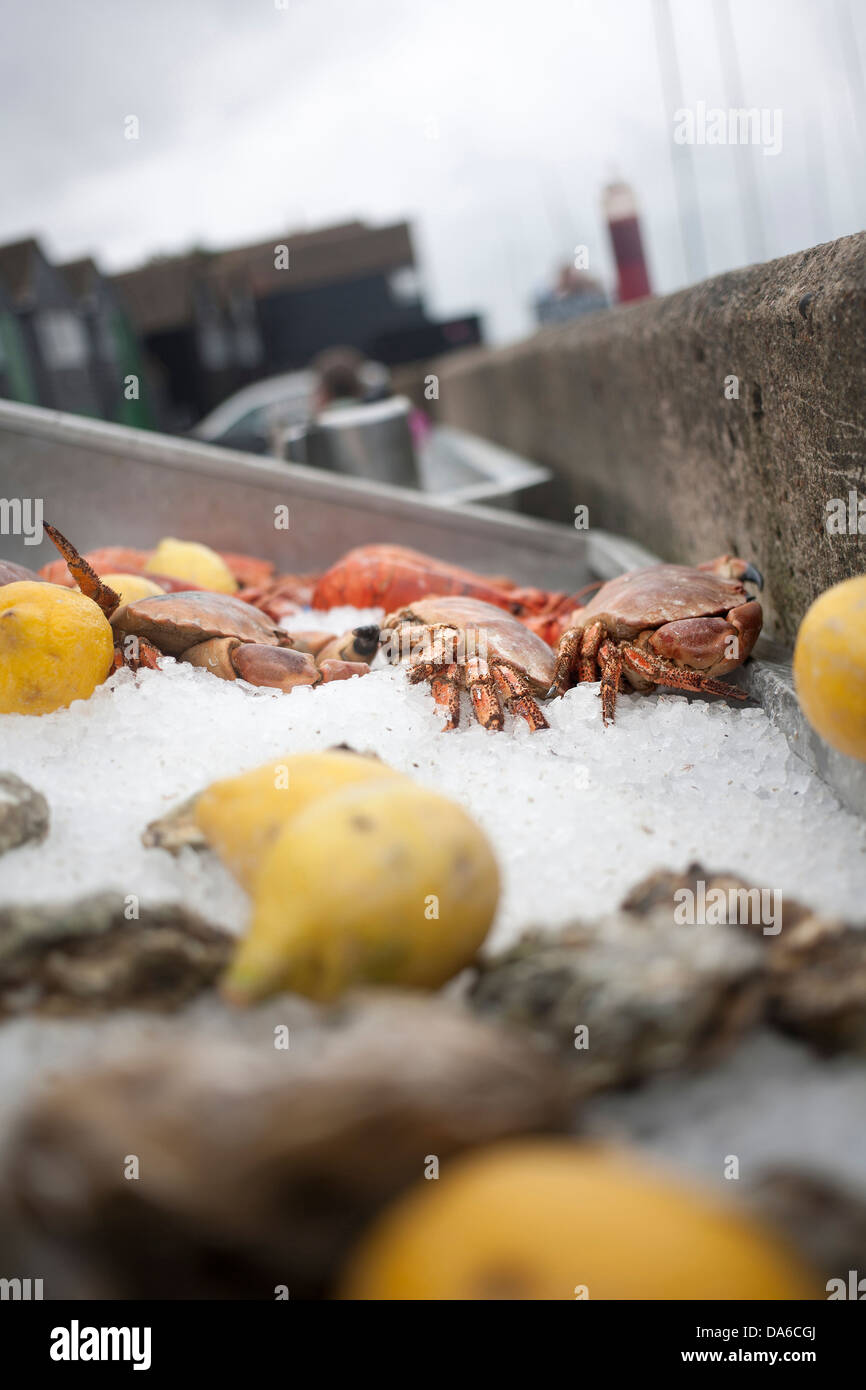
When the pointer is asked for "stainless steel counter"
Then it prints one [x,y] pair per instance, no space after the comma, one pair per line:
[104,484]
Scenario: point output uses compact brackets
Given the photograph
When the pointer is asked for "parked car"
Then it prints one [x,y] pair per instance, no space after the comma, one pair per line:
[255,416]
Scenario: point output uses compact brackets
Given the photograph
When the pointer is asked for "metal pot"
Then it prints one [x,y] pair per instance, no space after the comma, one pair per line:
[365,441]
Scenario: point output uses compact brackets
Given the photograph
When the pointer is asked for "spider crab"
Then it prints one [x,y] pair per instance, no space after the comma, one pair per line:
[667,625]
[221,633]
[458,643]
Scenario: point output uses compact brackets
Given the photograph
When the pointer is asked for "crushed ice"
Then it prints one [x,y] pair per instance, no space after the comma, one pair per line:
[577,814]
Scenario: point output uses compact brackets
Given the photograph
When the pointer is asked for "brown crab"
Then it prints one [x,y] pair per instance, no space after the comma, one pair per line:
[221,633]
[463,643]
[667,625]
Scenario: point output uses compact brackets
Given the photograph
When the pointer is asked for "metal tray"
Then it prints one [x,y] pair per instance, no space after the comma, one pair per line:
[106,484]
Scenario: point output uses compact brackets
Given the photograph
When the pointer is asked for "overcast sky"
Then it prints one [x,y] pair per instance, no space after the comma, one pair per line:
[491,124]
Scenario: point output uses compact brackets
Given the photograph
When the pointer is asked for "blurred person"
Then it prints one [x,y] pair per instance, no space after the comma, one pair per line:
[573,293]
[339,380]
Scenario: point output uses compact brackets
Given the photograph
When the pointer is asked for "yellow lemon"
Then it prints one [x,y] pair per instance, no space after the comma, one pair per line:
[197,563]
[241,816]
[552,1219]
[384,882]
[131,587]
[56,646]
[830,666]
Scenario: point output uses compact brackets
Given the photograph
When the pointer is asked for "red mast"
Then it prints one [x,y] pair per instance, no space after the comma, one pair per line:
[620,210]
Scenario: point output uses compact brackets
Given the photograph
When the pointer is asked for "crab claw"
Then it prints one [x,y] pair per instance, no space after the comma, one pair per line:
[713,646]
[215,655]
[366,638]
[281,668]
[359,645]
[732,567]
[335,670]
[752,575]
[278,667]
[307,640]
[84,575]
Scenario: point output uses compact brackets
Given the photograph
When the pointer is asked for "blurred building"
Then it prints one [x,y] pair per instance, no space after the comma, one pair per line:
[161,346]
[115,355]
[17,378]
[216,321]
[185,326]
[55,365]
[419,343]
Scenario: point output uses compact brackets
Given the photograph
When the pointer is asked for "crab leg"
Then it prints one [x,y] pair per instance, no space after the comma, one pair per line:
[84,575]
[445,685]
[514,690]
[566,657]
[423,671]
[444,681]
[660,672]
[482,691]
[148,654]
[578,648]
[592,640]
[135,652]
[610,660]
